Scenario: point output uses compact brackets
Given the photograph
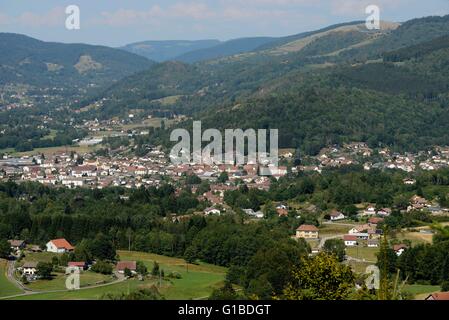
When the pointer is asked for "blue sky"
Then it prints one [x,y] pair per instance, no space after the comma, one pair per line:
[118,22]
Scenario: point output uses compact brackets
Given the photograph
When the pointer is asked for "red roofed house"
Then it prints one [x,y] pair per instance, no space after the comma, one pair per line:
[307,231]
[122,265]
[375,220]
[350,240]
[438,296]
[59,246]
[80,265]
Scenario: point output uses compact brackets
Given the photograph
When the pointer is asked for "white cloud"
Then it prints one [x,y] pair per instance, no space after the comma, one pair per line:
[52,18]
[124,17]
[154,15]
[193,10]
[357,7]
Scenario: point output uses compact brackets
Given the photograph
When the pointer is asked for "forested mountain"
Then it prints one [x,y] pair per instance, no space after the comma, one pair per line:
[168,50]
[29,61]
[387,87]
[224,49]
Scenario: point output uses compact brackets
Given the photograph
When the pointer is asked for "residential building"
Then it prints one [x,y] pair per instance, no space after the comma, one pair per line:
[130,265]
[307,231]
[350,240]
[29,268]
[59,246]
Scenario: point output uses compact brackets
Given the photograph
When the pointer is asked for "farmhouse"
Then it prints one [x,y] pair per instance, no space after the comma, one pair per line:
[16,244]
[335,216]
[59,246]
[307,231]
[130,265]
[29,268]
[350,240]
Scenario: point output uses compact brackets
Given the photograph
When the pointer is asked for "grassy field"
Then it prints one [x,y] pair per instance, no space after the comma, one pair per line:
[369,254]
[39,257]
[52,150]
[197,281]
[87,278]
[415,237]
[333,229]
[359,267]
[87,294]
[6,287]
[419,291]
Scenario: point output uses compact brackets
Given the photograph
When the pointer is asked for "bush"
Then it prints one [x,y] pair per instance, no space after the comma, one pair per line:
[102,267]
[44,270]
[445,286]
[128,273]
[155,270]
[174,275]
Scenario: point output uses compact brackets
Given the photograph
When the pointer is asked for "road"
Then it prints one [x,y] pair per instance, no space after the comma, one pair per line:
[10,275]
[324,239]
[349,258]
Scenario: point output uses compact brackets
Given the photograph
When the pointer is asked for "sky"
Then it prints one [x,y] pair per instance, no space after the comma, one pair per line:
[119,22]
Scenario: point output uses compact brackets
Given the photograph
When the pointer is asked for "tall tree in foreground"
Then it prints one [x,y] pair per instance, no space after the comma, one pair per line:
[335,246]
[320,278]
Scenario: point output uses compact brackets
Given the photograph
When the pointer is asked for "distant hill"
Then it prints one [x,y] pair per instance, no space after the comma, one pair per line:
[206,50]
[168,50]
[334,85]
[224,49]
[38,63]
[288,39]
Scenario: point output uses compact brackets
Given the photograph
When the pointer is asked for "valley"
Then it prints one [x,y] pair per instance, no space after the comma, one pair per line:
[87,178]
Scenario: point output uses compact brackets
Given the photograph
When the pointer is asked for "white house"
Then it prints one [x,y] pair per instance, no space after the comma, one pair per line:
[29,268]
[258,214]
[350,240]
[59,246]
[212,211]
[373,243]
[369,211]
[336,216]
[399,248]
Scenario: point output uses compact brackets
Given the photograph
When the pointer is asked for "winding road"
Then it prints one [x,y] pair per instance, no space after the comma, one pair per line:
[27,291]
